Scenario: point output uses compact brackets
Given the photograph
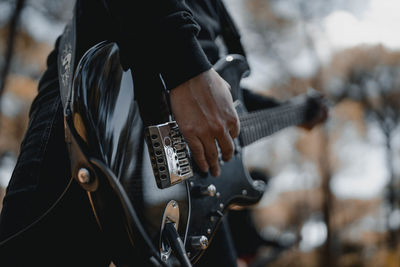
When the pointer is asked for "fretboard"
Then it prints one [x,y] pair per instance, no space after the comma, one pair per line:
[258,124]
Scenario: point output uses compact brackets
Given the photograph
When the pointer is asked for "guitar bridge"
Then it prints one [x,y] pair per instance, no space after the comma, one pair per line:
[169,154]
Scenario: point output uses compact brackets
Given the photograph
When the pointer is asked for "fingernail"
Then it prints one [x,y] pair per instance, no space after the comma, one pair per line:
[204,168]
[215,173]
[226,159]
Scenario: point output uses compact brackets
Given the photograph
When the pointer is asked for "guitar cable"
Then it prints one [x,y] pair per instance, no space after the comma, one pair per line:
[171,234]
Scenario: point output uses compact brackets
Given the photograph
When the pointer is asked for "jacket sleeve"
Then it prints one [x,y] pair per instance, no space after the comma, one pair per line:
[158,36]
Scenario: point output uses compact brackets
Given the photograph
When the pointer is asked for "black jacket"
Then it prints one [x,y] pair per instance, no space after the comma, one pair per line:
[156,36]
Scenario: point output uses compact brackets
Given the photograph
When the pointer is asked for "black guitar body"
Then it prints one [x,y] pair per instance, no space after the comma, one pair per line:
[103,131]
[105,134]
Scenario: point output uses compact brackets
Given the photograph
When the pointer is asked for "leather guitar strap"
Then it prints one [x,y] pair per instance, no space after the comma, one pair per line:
[66,59]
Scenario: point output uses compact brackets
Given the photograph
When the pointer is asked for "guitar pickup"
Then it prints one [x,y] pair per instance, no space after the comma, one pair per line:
[169,154]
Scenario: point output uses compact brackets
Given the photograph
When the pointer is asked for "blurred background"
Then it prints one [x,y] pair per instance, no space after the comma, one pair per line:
[334,195]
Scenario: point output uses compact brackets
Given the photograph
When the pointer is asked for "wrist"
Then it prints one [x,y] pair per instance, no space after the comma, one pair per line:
[184,59]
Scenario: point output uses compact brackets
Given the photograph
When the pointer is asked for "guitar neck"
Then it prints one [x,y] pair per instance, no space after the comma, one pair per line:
[258,124]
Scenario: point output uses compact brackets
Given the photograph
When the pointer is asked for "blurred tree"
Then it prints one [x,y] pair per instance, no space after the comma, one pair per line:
[12,31]
[371,78]
[374,81]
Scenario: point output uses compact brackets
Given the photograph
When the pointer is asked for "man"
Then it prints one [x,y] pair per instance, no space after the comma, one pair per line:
[168,35]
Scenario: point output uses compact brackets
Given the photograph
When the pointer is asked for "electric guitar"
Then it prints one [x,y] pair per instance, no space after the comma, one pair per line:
[138,189]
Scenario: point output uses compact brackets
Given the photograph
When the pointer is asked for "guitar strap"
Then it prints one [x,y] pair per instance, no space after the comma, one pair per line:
[66,59]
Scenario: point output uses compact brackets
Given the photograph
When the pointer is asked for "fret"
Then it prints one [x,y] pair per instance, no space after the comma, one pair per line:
[258,124]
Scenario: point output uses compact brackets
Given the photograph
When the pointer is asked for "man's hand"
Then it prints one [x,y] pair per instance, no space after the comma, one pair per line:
[204,111]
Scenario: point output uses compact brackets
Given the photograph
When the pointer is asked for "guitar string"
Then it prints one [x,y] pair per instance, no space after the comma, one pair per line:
[267,118]
[275,125]
[262,129]
[271,111]
[249,118]
[256,125]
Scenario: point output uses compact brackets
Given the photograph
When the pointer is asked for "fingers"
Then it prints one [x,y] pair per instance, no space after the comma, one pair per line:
[224,137]
[211,154]
[197,150]
[226,145]
[205,152]
[223,133]
[234,128]
[203,109]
